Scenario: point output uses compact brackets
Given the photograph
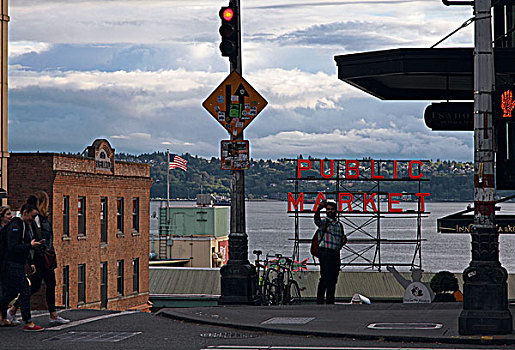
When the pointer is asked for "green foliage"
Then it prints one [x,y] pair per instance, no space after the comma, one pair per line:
[444,281]
[268,179]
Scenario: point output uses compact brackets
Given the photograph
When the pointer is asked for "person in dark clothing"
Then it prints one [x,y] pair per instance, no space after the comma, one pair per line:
[20,240]
[331,239]
[43,231]
[5,218]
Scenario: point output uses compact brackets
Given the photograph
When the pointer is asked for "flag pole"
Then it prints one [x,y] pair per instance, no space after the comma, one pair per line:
[168,191]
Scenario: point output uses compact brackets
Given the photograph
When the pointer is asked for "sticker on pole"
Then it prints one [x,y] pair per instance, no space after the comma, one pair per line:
[235,154]
[234,103]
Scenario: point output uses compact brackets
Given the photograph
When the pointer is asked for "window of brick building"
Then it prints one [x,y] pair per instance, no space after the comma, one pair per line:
[66,215]
[135,275]
[119,277]
[81,206]
[103,285]
[119,214]
[81,284]
[103,220]
[135,214]
[66,286]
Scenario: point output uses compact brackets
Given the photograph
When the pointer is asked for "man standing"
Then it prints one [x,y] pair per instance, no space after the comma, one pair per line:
[331,239]
[20,241]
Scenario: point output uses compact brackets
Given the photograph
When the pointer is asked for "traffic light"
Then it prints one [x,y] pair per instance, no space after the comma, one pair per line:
[504,121]
[229,32]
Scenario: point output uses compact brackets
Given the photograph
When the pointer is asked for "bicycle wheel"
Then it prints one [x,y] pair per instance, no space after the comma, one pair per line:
[270,291]
[292,293]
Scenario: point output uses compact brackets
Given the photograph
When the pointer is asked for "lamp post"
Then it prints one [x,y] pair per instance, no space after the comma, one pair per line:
[485,297]
[238,276]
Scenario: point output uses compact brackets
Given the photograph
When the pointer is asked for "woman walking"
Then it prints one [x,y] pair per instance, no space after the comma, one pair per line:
[5,218]
[19,242]
[43,231]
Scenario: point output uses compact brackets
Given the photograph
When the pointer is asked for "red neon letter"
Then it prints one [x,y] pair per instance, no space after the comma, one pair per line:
[394,169]
[372,168]
[300,167]
[422,197]
[348,168]
[411,169]
[296,202]
[369,200]
[391,201]
[348,201]
[320,198]
[322,169]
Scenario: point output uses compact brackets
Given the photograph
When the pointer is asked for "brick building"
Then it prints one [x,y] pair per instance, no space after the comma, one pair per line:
[99,209]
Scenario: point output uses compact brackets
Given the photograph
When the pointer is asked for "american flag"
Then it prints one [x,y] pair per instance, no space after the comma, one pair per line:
[178,162]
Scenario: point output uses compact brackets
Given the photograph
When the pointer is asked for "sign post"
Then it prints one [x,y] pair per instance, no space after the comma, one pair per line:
[235,104]
[485,290]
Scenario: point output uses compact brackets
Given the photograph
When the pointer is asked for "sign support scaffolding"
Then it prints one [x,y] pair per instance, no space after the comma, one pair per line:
[367,241]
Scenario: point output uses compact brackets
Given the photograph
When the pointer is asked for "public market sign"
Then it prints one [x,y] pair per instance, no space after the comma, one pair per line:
[353,171]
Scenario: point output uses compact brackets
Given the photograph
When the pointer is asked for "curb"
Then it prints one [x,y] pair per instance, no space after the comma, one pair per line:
[476,340]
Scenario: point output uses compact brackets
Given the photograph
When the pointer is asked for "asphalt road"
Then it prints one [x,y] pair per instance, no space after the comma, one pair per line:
[107,330]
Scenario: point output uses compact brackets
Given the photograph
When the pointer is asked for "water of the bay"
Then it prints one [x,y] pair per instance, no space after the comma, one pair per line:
[271,229]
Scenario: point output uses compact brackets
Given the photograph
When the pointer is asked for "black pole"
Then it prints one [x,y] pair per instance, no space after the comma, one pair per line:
[485,290]
[238,277]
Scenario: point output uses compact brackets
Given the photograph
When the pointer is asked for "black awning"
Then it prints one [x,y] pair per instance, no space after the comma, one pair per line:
[417,74]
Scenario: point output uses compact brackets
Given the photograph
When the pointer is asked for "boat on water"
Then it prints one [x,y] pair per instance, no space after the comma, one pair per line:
[221,201]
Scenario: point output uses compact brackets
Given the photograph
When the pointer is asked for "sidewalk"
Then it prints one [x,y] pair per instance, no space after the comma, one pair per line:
[436,322]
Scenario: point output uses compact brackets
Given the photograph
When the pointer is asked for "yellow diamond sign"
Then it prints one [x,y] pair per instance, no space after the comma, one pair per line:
[234,103]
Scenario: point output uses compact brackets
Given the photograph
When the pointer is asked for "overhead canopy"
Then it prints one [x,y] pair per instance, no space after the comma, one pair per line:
[417,74]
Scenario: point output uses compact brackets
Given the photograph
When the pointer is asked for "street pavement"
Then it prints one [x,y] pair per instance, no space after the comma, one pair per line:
[396,322]
[299,327]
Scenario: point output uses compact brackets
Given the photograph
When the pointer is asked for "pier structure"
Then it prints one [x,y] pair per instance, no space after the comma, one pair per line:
[364,214]
[461,74]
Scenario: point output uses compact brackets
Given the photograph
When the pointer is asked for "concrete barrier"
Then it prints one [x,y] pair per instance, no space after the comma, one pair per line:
[181,283]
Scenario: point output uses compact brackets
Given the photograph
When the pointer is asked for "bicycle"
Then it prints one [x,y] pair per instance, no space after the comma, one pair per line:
[259,266]
[278,285]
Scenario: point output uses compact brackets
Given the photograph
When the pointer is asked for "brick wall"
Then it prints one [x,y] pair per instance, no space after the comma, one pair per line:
[61,175]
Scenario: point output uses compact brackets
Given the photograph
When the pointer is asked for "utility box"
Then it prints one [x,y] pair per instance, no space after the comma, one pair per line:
[211,221]
[199,235]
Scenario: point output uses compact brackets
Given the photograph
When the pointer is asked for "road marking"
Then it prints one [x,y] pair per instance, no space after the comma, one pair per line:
[88,320]
[405,325]
[98,337]
[270,347]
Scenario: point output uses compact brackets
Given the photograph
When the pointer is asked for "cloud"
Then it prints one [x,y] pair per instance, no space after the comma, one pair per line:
[133,136]
[137,72]
[367,142]
[19,48]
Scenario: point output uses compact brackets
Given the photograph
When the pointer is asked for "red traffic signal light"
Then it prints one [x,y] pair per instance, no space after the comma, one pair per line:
[227,14]
[504,122]
[229,32]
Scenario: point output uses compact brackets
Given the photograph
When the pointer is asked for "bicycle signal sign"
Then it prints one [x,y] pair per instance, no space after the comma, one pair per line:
[234,103]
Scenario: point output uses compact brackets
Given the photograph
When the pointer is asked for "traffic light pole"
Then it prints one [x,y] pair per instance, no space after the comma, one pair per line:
[485,291]
[238,276]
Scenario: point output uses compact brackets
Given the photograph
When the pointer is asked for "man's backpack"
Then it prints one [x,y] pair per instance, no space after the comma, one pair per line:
[3,241]
[315,243]
[315,240]
[3,244]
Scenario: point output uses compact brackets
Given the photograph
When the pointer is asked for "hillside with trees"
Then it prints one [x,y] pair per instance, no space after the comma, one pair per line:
[268,179]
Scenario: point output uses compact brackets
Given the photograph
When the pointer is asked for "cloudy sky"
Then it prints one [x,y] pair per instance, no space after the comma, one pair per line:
[136,72]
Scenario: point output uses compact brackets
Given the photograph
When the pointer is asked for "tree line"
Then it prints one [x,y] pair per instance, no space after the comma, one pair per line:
[272,179]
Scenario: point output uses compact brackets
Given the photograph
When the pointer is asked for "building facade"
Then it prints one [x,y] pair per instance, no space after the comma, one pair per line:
[99,210]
